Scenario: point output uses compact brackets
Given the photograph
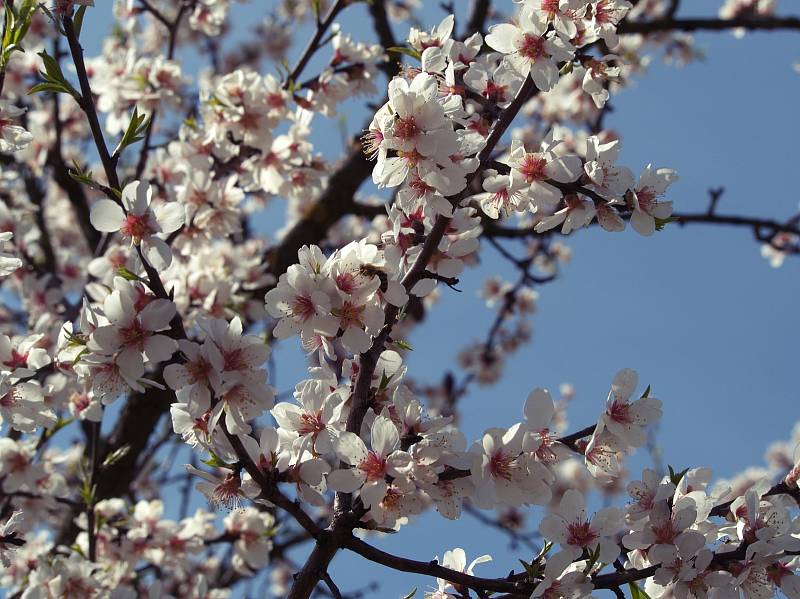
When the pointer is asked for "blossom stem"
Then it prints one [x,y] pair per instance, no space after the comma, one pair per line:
[87,104]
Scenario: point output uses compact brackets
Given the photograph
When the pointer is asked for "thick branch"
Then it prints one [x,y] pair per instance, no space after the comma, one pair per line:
[752,23]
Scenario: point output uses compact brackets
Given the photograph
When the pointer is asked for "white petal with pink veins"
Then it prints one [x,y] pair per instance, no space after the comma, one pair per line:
[157,253]
[136,197]
[346,480]
[385,438]
[350,448]
[157,315]
[502,37]
[159,348]
[107,216]
[539,409]
[170,216]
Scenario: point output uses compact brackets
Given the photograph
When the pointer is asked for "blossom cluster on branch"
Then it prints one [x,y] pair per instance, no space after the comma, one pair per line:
[136,289]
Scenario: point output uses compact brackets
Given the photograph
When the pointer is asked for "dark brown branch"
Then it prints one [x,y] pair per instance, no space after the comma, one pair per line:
[87,103]
[314,42]
[173,27]
[752,23]
[476,22]
[433,569]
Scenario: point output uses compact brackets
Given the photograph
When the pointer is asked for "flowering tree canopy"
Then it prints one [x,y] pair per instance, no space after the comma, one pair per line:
[141,306]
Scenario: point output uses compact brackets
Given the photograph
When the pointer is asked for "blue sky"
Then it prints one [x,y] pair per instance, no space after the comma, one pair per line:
[695,310]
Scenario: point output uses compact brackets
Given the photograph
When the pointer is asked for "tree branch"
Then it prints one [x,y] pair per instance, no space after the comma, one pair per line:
[751,23]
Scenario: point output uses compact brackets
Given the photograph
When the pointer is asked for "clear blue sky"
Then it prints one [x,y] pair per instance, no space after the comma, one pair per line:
[696,310]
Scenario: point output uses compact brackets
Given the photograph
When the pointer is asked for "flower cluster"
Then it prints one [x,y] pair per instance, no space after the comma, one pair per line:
[138,272]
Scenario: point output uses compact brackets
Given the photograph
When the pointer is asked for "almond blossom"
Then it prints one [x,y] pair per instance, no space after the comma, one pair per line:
[370,467]
[537,168]
[135,321]
[570,526]
[8,262]
[624,419]
[136,220]
[529,50]
[13,137]
[646,207]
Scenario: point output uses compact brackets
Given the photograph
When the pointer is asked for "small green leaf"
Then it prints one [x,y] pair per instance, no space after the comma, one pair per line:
[407,51]
[646,393]
[385,380]
[411,594]
[136,127]
[78,20]
[115,456]
[217,462]
[128,275]
[675,477]
[637,592]
[403,345]
[663,222]
[54,79]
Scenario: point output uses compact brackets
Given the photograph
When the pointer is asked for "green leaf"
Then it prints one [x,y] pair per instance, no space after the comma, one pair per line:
[128,275]
[407,51]
[54,79]
[82,176]
[385,380]
[116,455]
[78,20]
[411,593]
[675,477]
[403,345]
[49,87]
[637,592]
[136,127]
[646,393]
[663,222]
[217,462]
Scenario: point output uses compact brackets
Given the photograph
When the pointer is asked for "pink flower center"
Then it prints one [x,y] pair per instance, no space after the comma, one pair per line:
[17,360]
[392,501]
[550,7]
[133,335]
[275,100]
[346,282]
[620,412]
[406,128]
[311,424]
[532,47]
[495,92]
[349,315]
[234,360]
[198,370]
[80,401]
[665,533]
[17,462]
[8,400]
[303,308]
[136,227]
[372,140]
[580,534]
[373,466]
[646,198]
[533,168]
[501,465]
[228,493]
[420,188]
